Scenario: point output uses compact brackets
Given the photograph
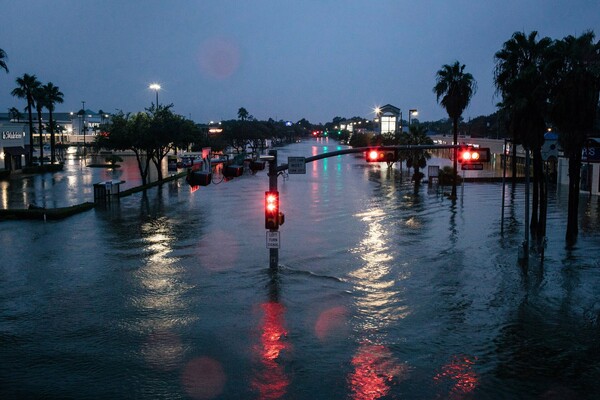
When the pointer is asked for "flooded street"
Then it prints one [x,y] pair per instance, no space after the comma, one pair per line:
[381,292]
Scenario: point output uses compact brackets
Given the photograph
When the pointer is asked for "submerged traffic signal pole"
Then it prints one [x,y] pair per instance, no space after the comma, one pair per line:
[273,173]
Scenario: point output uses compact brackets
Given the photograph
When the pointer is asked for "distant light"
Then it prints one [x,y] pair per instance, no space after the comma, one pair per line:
[154,86]
[288,123]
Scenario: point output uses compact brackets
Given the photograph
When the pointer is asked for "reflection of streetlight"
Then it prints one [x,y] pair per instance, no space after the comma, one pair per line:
[411,113]
[156,88]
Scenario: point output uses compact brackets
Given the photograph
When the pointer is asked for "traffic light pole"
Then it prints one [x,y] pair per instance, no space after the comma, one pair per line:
[273,252]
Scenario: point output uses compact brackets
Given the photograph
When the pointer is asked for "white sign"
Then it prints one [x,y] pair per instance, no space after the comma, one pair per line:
[272,240]
[296,165]
[6,135]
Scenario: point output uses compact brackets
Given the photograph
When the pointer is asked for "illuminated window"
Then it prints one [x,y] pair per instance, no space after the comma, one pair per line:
[388,124]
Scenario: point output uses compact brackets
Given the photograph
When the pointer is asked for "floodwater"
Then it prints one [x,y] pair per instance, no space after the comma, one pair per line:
[381,293]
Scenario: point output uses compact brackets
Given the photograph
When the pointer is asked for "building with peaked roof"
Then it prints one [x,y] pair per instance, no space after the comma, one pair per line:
[388,119]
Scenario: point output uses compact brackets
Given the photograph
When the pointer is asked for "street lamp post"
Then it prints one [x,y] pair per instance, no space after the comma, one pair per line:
[84,127]
[156,88]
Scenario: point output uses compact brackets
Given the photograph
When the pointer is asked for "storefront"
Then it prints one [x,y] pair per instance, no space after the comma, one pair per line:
[14,146]
[590,168]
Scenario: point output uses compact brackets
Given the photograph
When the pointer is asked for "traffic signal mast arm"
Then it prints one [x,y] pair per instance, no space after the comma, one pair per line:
[283,167]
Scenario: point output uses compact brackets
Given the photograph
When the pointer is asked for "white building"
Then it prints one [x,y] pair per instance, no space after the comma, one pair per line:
[14,145]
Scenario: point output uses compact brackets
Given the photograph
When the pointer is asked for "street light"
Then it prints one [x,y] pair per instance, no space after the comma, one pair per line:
[411,113]
[155,87]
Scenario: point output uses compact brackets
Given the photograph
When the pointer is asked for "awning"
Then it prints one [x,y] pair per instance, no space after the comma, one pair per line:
[15,150]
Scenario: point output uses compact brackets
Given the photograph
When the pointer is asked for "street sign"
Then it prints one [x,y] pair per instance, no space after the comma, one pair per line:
[272,240]
[296,165]
[473,167]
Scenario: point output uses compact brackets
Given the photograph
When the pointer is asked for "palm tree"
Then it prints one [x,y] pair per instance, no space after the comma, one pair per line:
[520,77]
[574,66]
[52,95]
[27,84]
[3,57]
[455,88]
[417,158]
[242,114]
[39,96]
[14,113]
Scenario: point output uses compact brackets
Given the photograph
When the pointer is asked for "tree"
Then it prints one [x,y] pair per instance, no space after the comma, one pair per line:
[455,88]
[3,57]
[520,77]
[416,158]
[27,84]
[166,131]
[14,113]
[242,114]
[150,135]
[575,70]
[128,132]
[52,95]
[39,96]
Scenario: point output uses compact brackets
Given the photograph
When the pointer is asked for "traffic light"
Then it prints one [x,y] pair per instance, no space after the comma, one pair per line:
[271,209]
[381,155]
[468,155]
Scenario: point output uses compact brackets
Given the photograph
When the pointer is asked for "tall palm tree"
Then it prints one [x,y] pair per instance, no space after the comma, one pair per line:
[52,95]
[520,77]
[3,57]
[455,87]
[27,84]
[575,68]
[39,96]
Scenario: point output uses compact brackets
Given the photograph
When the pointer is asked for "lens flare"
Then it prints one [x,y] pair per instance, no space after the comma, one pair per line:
[219,58]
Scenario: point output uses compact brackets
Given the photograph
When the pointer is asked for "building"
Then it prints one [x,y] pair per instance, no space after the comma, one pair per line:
[388,119]
[590,168]
[14,145]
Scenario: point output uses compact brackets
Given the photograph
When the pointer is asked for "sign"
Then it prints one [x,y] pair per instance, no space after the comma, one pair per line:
[7,135]
[590,154]
[472,167]
[272,240]
[296,165]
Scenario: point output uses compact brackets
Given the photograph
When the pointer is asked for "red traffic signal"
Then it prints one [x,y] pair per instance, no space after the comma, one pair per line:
[468,155]
[271,209]
[381,155]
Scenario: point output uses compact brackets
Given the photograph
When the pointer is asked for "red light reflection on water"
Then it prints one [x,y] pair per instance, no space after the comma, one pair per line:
[375,370]
[203,378]
[271,381]
[460,372]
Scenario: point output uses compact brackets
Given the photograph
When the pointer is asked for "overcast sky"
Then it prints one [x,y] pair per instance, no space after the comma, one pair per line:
[287,60]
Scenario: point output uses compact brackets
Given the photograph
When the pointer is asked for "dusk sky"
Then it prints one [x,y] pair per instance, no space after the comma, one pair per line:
[286,60]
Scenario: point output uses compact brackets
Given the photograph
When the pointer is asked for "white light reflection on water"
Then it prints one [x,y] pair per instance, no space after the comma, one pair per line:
[374,367]
[160,297]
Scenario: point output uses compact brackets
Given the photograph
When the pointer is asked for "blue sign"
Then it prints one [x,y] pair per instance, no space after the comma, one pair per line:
[590,154]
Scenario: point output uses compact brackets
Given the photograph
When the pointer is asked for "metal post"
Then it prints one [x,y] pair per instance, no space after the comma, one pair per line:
[526,241]
[273,253]
[503,159]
